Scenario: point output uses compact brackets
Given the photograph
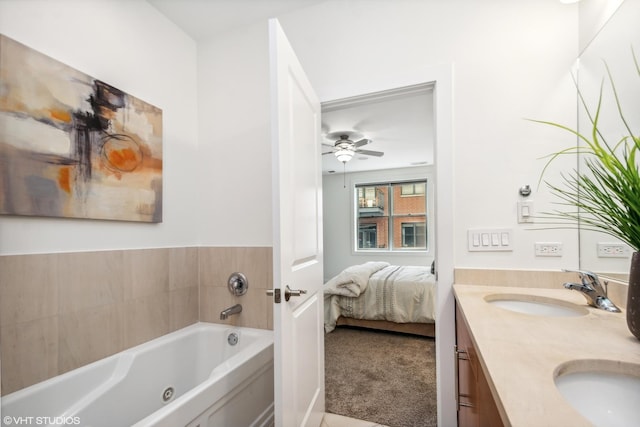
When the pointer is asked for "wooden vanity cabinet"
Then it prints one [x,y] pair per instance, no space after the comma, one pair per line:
[476,406]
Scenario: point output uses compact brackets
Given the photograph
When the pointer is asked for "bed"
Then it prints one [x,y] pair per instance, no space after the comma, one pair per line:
[382,296]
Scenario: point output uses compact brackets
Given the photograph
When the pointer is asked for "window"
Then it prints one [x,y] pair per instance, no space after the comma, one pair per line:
[414,235]
[368,236]
[412,189]
[391,216]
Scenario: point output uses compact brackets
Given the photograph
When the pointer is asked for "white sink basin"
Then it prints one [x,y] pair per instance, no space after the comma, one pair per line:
[607,393]
[536,305]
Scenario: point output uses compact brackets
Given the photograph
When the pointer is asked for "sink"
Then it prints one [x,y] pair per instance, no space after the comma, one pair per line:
[536,305]
[605,392]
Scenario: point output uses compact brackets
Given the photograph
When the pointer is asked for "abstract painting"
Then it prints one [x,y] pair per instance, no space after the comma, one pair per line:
[73,146]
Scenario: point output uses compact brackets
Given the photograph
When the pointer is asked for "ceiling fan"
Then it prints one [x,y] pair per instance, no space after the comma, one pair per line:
[344,148]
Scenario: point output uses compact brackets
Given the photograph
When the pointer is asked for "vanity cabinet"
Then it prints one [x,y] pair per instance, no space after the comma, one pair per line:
[476,406]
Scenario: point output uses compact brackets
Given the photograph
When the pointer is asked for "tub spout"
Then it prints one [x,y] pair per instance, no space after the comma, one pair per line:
[224,314]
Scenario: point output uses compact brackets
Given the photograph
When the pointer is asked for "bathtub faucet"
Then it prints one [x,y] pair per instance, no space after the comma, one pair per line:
[224,314]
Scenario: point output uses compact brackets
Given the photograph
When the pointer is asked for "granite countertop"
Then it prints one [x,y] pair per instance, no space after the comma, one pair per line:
[520,353]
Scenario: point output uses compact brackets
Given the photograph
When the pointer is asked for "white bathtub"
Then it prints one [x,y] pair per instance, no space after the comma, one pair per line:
[214,383]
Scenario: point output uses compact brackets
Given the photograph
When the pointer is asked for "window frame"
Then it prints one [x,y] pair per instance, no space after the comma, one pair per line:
[397,176]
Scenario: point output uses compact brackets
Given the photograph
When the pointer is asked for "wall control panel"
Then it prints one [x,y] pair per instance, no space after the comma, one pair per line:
[489,240]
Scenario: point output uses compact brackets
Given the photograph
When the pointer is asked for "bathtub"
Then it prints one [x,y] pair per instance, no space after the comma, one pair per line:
[203,375]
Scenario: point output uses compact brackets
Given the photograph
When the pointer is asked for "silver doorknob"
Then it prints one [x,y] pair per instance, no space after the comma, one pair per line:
[288,293]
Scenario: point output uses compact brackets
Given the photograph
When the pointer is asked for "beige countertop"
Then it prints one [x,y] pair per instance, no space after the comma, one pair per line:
[520,353]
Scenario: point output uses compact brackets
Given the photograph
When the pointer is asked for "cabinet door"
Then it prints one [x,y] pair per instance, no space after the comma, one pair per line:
[468,415]
[476,406]
[467,409]
[487,410]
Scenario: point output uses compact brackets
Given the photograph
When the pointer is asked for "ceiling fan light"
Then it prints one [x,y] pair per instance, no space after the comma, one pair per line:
[344,155]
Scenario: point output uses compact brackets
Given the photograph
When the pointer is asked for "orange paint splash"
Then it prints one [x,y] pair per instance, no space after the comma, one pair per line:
[61,115]
[64,179]
[124,159]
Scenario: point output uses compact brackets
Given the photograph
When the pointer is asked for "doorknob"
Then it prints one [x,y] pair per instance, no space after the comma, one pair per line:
[288,293]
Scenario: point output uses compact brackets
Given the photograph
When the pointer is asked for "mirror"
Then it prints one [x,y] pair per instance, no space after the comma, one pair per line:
[600,252]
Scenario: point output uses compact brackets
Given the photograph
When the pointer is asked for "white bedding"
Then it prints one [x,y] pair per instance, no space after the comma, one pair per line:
[401,294]
[353,281]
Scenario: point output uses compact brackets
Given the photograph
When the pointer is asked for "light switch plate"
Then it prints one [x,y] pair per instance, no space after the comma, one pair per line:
[525,212]
[490,240]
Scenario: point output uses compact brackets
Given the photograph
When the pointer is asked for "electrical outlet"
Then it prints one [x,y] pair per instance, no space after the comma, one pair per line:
[548,249]
[613,250]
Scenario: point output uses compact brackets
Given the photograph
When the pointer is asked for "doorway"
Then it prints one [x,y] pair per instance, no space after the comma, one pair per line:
[395,130]
[399,125]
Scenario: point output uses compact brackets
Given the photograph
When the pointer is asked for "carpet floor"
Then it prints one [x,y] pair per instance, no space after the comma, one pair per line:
[382,377]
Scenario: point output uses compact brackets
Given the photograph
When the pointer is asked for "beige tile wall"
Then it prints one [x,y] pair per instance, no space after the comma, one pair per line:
[216,265]
[522,278]
[62,311]
[617,291]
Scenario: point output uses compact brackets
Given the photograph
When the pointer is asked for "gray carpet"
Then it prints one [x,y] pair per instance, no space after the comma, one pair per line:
[382,377]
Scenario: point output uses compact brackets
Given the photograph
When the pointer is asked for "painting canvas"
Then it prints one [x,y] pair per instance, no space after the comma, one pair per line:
[73,146]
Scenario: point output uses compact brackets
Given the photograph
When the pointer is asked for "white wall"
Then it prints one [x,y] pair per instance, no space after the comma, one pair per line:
[512,61]
[131,46]
[594,14]
[235,141]
[338,214]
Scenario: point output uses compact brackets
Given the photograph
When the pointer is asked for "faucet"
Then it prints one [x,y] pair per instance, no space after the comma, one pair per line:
[592,290]
[224,314]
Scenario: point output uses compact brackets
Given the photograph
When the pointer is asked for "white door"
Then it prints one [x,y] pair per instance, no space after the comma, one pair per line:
[297,247]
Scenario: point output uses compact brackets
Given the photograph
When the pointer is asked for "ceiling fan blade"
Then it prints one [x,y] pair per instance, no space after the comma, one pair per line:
[328,152]
[362,142]
[370,153]
[328,145]
[336,135]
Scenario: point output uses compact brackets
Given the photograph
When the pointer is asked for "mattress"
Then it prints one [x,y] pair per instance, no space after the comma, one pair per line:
[400,294]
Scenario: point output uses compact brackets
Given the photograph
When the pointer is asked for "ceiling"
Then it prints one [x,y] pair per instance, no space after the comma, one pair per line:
[203,19]
[399,123]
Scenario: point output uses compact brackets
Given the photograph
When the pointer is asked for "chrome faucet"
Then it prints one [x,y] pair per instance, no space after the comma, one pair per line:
[224,314]
[592,290]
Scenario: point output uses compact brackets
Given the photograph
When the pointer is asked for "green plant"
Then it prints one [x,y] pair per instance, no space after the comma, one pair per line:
[606,196]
